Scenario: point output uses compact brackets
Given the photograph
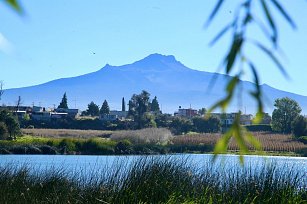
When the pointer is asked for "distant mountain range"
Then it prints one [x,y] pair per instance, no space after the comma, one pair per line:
[163,76]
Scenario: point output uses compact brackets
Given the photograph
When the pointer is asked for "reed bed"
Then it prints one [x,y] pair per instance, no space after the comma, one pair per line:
[152,180]
[269,141]
[67,133]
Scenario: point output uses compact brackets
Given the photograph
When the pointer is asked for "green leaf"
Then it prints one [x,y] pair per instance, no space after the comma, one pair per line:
[15,5]
[232,55]
[274,59]
[270,19]
[221,33]
[214,12]
[284,13]
[253,141]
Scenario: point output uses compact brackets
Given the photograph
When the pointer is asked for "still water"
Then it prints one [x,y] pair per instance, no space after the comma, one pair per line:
[90,164]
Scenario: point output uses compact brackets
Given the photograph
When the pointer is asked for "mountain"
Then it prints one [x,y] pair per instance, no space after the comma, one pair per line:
[163,76]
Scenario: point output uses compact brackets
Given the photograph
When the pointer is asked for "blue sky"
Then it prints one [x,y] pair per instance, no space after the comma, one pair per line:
[57,39]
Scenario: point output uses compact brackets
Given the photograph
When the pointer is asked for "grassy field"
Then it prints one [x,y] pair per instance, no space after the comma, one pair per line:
[152,180]
[146,141]
[66,133]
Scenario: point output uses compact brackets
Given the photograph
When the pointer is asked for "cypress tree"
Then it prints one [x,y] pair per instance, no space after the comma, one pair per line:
[63,103]
[123,104]
[105,108]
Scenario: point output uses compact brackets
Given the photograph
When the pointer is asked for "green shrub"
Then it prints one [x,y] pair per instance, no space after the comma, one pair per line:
[259,128]
[46,149]
[4,151]
[96,146]
[303,139]
[67,145]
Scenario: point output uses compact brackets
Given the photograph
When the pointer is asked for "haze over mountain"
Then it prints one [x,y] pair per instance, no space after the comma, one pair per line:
[163,76]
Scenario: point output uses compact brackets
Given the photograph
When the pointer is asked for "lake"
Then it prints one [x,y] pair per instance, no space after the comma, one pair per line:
[90,164]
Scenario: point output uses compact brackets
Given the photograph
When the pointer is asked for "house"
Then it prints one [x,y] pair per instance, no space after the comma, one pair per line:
[72,113]
[246,119]
[183,112]
[227,119]
[114,115]
[28,109]
[108,117]
[20,114]
[121,115]
[42,116]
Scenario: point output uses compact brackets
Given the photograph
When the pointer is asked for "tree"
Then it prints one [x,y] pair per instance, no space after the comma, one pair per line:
[131,109]
[1,89]
[138,106]
[18,103]
[181,125]
[299,126]
[286,111]
[202,111]
[123,104]
[3,131]
[154,106]
[92,109]
[63,103]
[12,125]
[105,108]
[206,125]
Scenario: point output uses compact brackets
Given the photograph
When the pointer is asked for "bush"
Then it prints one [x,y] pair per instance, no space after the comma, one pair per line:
[67,145]
[123,147]
[46,149]
[25,149]
[94,146]
[4,151]
[259,128]
[303,139]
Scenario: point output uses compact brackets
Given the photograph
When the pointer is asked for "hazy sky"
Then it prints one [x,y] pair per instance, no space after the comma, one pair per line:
[65,38]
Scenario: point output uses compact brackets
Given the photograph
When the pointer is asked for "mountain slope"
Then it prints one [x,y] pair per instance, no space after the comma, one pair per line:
[162,76]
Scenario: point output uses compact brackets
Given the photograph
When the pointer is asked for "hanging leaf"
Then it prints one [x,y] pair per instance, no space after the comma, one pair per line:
[270,20]
[284,13]
[214,12]
[15,5]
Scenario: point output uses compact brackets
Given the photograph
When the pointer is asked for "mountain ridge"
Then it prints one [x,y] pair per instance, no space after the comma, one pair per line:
[161,75]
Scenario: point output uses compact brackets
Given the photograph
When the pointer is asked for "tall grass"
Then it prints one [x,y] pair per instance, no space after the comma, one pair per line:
[152,180]
[67,133]
[269,141]
[144,136]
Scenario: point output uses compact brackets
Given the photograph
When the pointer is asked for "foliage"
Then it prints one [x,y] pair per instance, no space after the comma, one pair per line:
[236,60]
[154,106]
[206,125]
[299,126]
[163,120]
[258,128]
[123,104]
[181,125]
[105,108]
[11,124]
[202,111]
[139,106]
[63,103]
[285,112]
[3,131]
[92,109]
[1,89]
